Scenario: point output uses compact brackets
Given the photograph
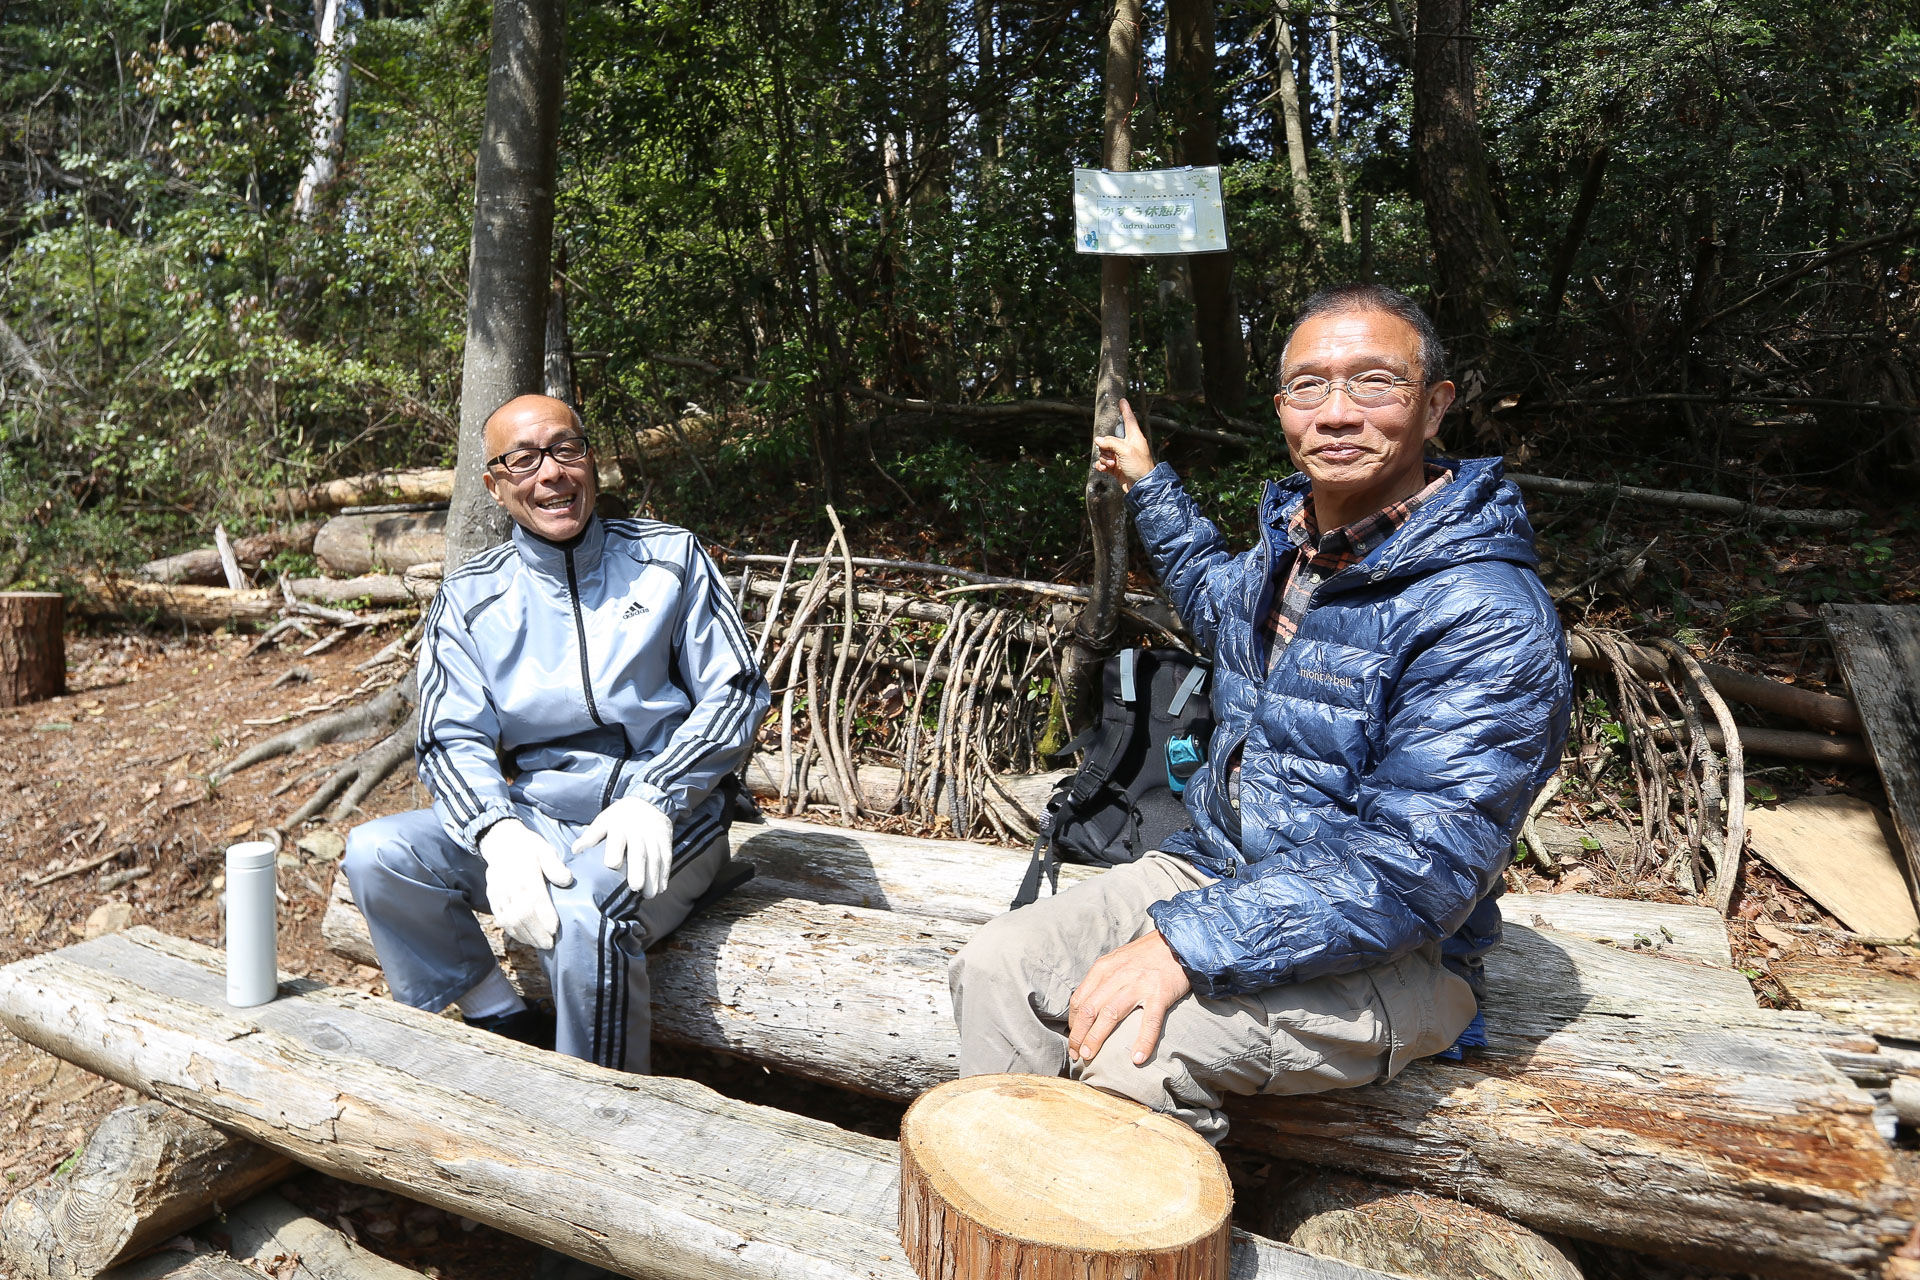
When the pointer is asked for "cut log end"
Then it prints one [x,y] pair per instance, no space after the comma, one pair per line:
[1031,1176]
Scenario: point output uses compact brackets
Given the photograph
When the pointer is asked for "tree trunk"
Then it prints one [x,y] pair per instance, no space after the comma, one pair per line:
[335,31]
[1017,1175]
[643,1175]
[509,265]
[1288,93]
[1475,282]
[268,1227]
[1099,621]
[1194,114]
[148,1173]
[33,646]
[1333,124]
[558,376]
[1185,369]
[1590,182]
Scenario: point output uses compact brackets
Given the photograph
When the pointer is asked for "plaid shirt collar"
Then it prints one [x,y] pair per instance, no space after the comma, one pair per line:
[1329,553]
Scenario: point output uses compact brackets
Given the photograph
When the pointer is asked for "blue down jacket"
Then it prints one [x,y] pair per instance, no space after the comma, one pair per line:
[1390,756]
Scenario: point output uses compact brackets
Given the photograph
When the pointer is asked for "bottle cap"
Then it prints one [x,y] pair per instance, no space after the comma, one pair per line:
[251,855]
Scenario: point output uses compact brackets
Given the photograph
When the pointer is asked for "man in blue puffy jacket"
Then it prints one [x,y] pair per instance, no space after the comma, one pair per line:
[1391,689]
[585,687]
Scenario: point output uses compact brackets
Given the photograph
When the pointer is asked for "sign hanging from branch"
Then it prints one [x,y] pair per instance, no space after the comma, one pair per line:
[1150,211]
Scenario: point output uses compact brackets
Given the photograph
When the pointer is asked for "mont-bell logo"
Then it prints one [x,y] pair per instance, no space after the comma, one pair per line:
[633,610]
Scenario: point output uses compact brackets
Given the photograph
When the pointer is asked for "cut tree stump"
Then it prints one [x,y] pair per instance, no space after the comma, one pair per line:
[33,652]
[1625,1098]
[1405,1232]
[149,1172]
[1046,1179]
[645,1175]
[1879,650]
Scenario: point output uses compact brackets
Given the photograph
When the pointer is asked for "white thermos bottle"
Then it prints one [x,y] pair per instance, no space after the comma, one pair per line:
[253,961]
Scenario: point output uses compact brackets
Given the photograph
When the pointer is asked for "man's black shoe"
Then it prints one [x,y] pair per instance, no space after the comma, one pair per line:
[528,1026]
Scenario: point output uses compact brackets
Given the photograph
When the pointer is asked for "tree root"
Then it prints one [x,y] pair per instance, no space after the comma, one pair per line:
[360,775]
[378,714]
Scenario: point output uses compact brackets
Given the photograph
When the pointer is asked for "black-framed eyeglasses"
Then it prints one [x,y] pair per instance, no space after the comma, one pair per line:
[524,462]
[1375,386]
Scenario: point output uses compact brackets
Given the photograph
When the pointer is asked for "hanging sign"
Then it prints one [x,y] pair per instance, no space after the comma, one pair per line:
[1149,211]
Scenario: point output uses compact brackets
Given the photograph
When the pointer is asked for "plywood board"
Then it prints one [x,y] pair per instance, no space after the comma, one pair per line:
[1840,852]
[1879,650]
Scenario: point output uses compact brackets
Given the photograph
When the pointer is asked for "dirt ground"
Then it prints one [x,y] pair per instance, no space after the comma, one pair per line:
[107,818]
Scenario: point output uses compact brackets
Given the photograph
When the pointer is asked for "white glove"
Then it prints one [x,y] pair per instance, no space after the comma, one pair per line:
[519,865]
[638,834]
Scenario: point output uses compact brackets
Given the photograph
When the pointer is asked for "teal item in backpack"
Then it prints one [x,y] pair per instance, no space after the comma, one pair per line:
[1184,757]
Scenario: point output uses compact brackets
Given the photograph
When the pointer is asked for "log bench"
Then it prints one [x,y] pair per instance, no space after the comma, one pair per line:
[642,1175]
[1628,1098]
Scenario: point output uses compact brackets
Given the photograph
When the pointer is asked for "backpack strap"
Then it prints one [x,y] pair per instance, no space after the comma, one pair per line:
[1195,680]
[1045,860]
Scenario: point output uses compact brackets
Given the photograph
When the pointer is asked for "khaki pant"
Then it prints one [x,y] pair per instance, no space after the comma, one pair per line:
[1011,985]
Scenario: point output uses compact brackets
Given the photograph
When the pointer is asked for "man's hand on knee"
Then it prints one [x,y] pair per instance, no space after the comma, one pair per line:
[519,865]
[638,834]
[1142,975]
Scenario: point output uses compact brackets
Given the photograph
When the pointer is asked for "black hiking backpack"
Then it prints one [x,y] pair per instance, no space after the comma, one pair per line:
[1150,735]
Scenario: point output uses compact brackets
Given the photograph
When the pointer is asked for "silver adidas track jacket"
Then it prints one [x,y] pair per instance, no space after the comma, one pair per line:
[568,677]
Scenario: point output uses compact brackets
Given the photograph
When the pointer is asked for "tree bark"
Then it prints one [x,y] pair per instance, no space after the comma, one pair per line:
[1288,93]
[267,1227]
[335,39]
[1475,281]
[1590,183]
[1333,124]
[350,545]
[643,1175]
[147,1173]
[509,265]
[1017,1175]
[1185,366]
[33,646]
[1194,113]
[558,370]
[1099,621]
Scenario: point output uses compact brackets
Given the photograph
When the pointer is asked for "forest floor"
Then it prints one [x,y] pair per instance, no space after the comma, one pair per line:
[109,785]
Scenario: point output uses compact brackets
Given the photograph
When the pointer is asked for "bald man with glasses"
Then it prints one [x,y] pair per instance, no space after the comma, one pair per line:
[586,689]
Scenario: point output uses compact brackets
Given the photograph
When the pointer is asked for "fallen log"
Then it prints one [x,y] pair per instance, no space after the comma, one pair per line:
[1887,1004]
[971,883]
[148,1172]
[266,1228]
[1624,1099]
[647,1175]
[1822,710]
[202,567]
[351,544]
[881,784]
[1405,1232]
[1680,500]
[411,484]
[178,1264]
[207,608]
